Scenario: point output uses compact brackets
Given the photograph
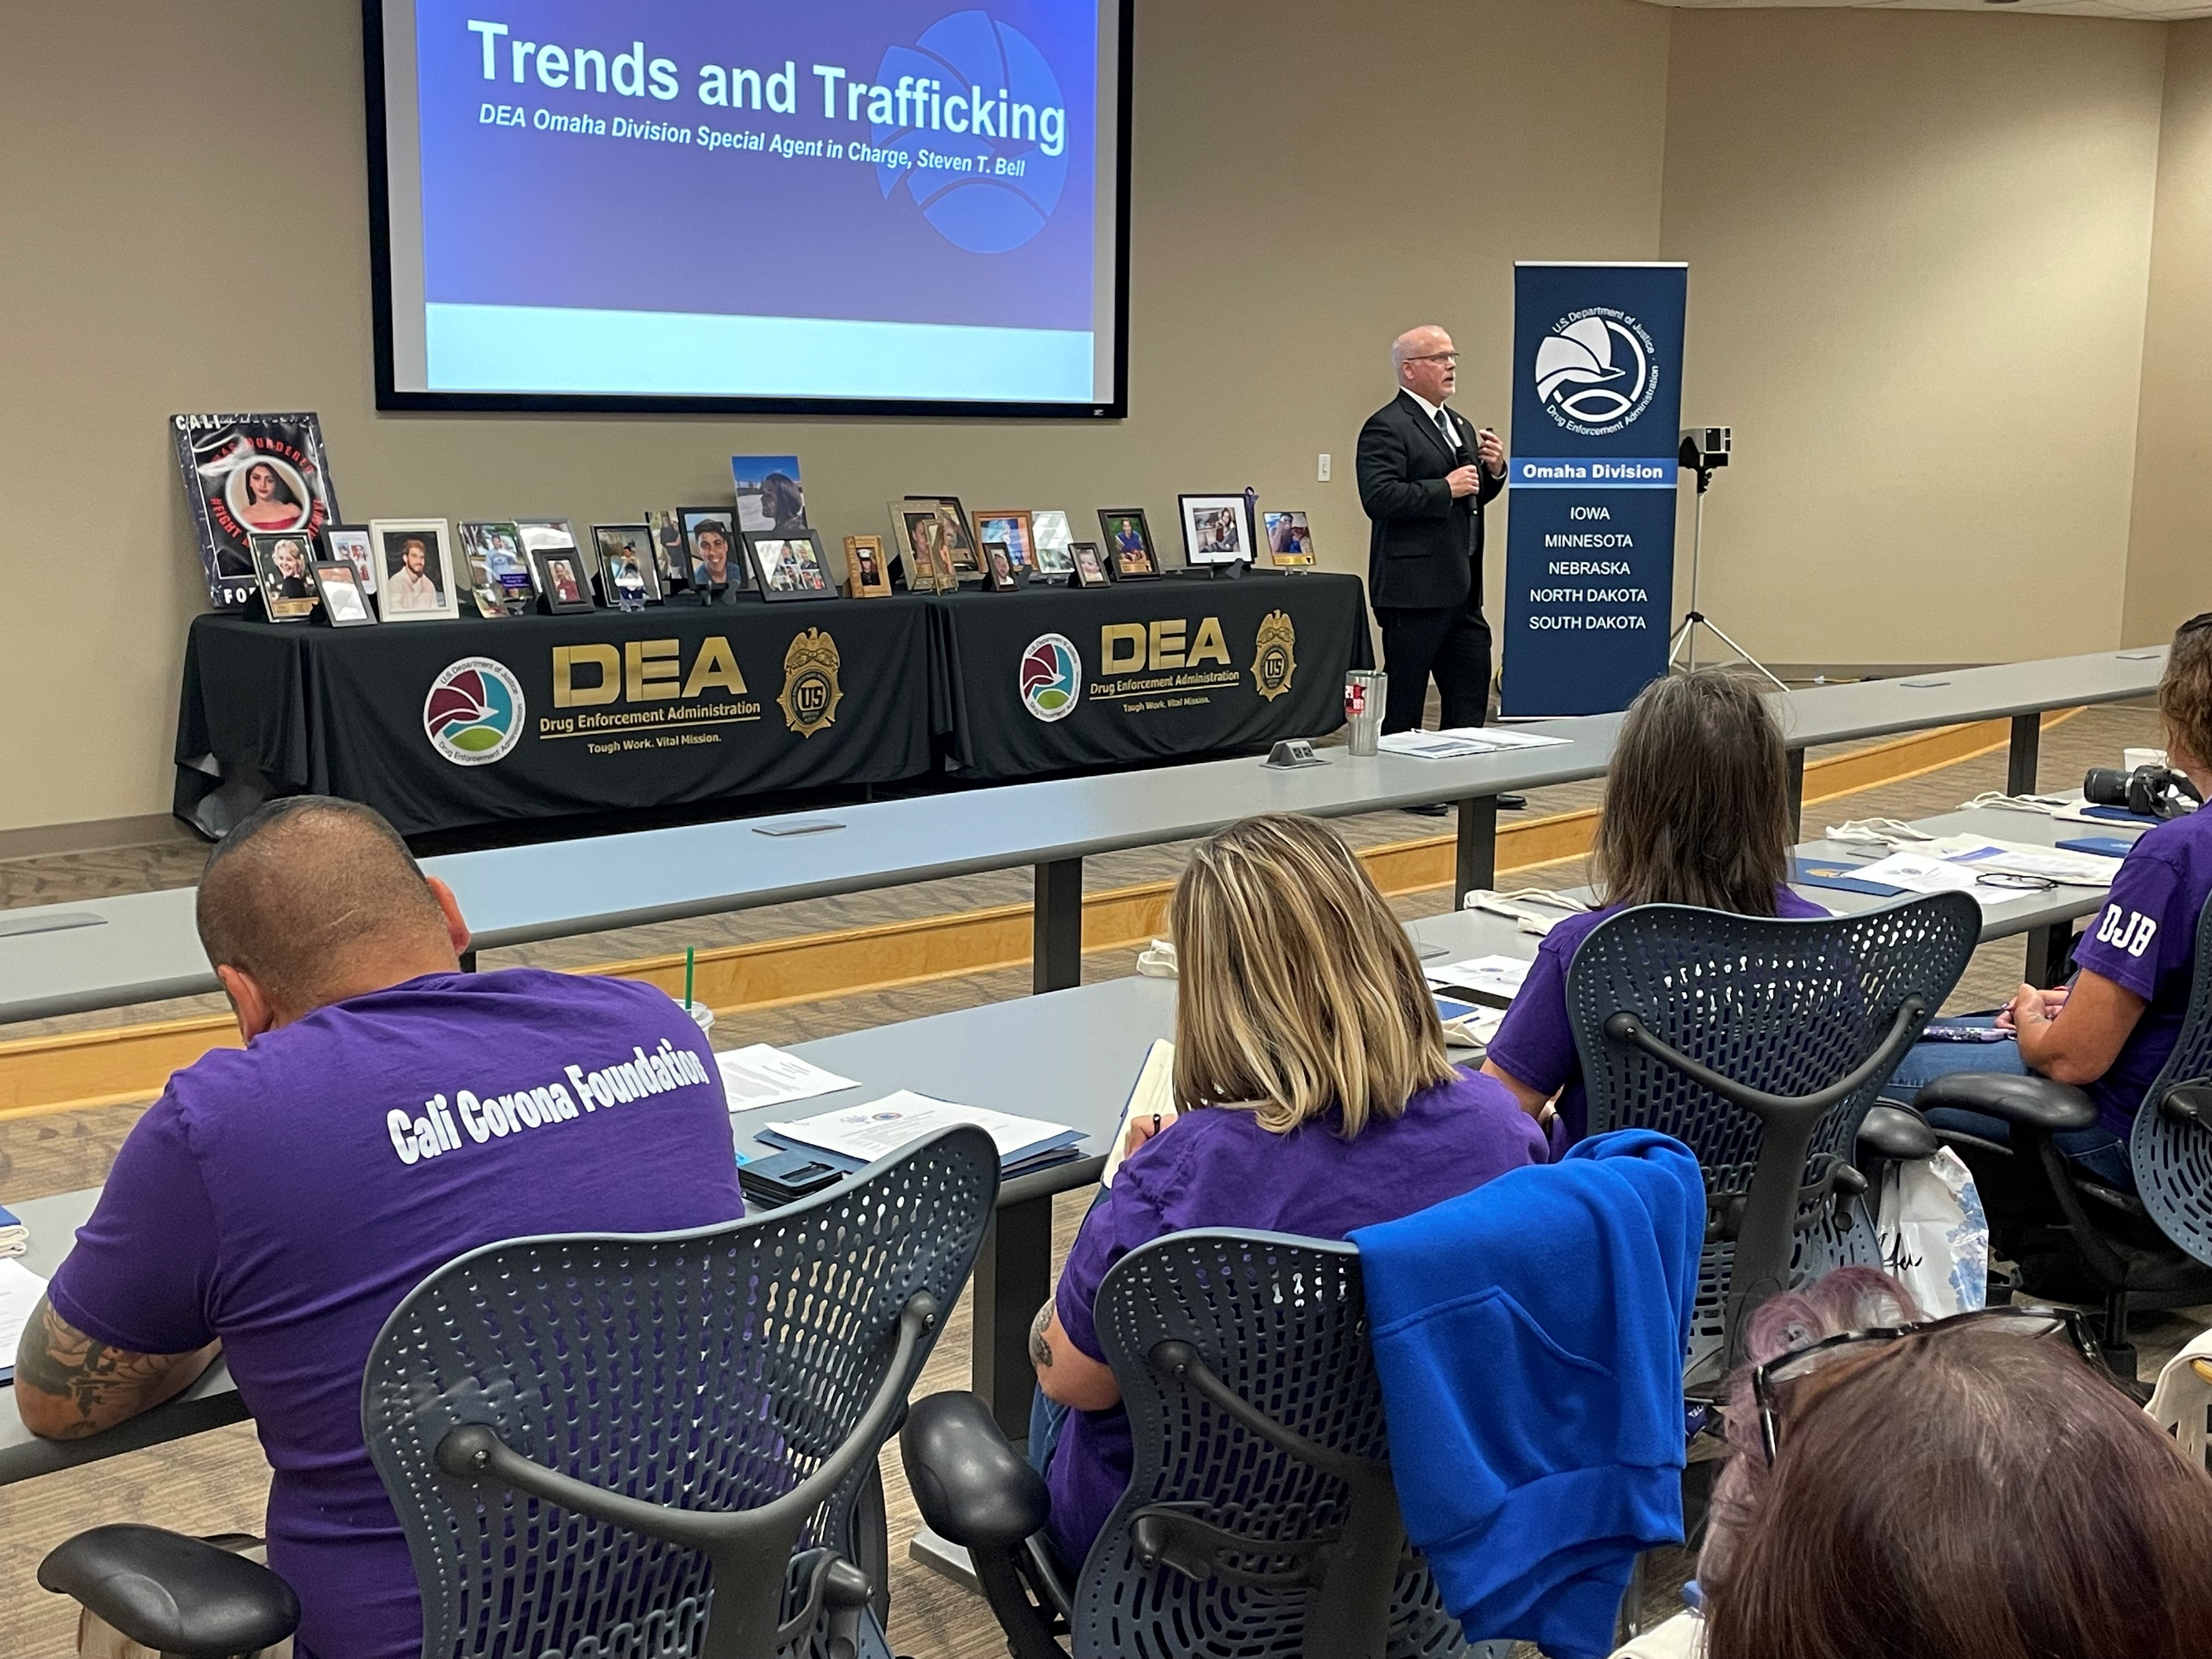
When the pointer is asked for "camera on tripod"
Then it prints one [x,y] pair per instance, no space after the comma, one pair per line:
[2148,791]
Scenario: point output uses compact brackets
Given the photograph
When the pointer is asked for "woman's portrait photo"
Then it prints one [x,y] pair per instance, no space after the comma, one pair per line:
[267,494]
[281,565]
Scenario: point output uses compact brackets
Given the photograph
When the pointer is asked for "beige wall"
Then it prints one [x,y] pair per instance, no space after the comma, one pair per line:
[2170,545]
[1919,248]
[184,228]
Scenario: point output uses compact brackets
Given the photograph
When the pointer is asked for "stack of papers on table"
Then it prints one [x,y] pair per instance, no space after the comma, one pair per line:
[1495,980]
[1457,742]
[766,1076]
[20,1290]
[15,1236]
[856,1136]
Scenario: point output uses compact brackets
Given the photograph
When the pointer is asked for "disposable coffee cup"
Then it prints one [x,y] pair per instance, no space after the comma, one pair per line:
[703,1016]
[1364,690]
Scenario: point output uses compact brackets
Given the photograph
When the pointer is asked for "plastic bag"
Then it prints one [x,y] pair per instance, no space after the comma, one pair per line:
[1935,1238]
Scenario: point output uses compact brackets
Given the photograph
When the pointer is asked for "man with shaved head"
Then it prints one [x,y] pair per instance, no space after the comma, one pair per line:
[388,1113]
[1425,474]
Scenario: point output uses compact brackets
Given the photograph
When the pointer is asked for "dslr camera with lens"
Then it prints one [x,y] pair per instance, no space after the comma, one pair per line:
[2148,791]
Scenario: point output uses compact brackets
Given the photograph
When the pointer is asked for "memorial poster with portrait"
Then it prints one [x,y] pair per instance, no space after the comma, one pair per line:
[245,473]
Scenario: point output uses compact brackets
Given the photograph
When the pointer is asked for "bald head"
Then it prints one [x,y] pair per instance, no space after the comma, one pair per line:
[311,900]
[1426,364]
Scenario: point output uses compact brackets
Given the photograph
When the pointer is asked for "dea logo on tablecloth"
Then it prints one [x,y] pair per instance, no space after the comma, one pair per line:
[1595,371]
[474,713]
[811,691]
[1051,677]
[1275,655]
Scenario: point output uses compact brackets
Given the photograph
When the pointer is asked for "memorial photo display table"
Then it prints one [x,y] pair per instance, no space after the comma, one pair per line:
[443,725]
[1144,672]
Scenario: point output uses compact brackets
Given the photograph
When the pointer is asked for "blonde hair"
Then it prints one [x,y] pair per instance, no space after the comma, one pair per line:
[1298,990]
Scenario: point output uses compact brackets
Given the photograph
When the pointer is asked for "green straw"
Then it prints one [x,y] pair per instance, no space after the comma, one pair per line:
[691,958]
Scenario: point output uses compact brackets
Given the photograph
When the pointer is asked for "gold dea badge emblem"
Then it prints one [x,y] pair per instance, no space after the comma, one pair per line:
[810,692]
[1276,658]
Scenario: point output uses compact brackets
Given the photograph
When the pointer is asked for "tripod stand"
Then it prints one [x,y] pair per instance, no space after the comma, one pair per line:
[1684,649]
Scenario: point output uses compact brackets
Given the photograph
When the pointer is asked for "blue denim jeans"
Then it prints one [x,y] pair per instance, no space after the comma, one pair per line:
[2101,1154]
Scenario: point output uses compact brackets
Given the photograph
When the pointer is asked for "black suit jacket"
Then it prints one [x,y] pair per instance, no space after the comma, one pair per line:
[1425,551]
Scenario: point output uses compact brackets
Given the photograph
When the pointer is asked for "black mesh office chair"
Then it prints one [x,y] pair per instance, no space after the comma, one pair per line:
[1761,1044]
[657,1445]
[2151,1249]
[1260,1519]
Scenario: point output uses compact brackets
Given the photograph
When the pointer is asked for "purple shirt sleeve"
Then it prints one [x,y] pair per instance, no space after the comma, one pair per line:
[2145,929]
[141,1273]
[1534,1043]
[1132,1211]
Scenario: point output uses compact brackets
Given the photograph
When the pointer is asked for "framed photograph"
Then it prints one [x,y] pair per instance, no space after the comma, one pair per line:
[1011,528]
[629,576]
[999,573]
[1087,563]
[1215,530]
[769,493]
[1290,542]
[282,574]
[959,538]
[867,569]
[1055,536]
[669,561]
[712,561]
[1129,542]
[351,543]
[547,535]
[337,585]
[918,532]
[414,569]
[497,547]
[791,565]
[560,579]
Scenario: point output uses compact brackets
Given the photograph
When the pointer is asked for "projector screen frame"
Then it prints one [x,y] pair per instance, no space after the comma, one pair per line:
[390,396]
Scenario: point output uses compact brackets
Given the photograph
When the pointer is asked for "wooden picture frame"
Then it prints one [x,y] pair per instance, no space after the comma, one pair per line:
[918,526]
[867,569]
[1012,527]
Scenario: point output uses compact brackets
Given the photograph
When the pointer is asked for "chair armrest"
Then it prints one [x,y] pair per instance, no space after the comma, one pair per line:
[172,1594]
[1897,1133]
[2032,1103]
[972,1487]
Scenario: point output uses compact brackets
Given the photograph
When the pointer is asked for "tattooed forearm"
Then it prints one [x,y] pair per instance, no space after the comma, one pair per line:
[1039,1346]
[69,1385]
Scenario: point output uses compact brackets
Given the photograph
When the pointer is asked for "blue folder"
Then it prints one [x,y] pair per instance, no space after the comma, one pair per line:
[2107,847]
[1829,872]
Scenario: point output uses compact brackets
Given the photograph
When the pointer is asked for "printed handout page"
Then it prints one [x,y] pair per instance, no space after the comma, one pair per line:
[765,1075]
[868,1131]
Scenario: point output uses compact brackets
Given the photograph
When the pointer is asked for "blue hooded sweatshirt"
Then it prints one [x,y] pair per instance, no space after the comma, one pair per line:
[1530,1336]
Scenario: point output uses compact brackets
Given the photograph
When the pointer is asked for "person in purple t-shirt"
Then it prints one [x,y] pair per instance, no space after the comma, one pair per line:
[2110,1030]
[387,1114]
[1313,1097]
[1697,812]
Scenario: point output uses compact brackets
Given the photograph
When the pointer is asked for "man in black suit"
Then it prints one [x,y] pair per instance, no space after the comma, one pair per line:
[1424,473]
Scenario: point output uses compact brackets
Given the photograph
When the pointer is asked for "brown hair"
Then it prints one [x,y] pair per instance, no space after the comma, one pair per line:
[1296,989]
[2185,693]
[1697,799]
[1961,1494]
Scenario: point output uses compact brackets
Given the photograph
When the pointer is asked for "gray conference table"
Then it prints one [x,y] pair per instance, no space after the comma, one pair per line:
[104,953]
[1069,1057]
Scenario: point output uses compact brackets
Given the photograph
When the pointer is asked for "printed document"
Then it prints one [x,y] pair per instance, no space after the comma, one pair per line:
[766,1076]
[869,1131]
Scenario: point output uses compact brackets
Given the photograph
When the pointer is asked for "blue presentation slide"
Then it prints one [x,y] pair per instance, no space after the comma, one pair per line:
[734,198]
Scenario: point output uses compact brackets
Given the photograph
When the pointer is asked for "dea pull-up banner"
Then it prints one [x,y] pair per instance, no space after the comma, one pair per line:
[1590,558]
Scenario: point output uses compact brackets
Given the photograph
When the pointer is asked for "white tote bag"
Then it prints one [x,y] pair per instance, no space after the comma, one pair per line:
[1935,1238]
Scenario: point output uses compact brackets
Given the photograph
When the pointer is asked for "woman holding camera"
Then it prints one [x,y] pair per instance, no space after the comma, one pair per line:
[2109,1032]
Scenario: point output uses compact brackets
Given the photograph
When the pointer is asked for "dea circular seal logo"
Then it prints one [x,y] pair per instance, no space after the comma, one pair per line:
[1051,677]
[811,691]
[474,713]
[1276,657]
[1597,373]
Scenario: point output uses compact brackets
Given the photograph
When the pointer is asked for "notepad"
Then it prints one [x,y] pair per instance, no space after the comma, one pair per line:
[1153,1093]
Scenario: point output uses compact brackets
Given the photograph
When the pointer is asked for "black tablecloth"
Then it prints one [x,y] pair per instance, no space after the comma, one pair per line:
[672,704]
[1161,670]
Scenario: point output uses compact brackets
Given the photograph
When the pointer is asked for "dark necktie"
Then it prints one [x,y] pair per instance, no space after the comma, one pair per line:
[1450,437]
